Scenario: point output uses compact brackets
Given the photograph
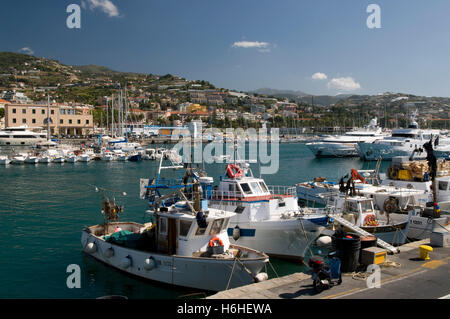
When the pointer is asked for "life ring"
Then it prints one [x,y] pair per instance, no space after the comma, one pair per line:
[234,171]
[215,240]
[370,221]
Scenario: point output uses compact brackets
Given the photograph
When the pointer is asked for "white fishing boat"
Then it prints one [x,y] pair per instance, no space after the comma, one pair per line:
[59,159]
[108,156]
[346,145]
[414,175]
[19,159]
[85,158]
[31,159]
[267,218]
[386,197]
[72,158]
[187,245]
[4,160]
[360,212]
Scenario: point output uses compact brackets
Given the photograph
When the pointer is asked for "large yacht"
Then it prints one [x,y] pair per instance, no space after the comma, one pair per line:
[405,142]
[21,136]
[346,145]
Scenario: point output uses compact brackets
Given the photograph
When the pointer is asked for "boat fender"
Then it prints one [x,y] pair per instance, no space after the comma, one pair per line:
[150,263]
[262,276]
[109,252]
[91,247]
[126,262]
[323,241]
[236,233]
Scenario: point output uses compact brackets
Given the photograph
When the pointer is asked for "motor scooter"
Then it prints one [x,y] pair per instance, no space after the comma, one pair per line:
[324,274]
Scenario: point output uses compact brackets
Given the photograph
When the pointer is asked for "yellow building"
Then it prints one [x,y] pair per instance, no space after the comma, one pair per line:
[196,107]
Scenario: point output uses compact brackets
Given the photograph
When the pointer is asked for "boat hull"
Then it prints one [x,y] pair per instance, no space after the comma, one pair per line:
[326,150]
[194,272]
[283,239]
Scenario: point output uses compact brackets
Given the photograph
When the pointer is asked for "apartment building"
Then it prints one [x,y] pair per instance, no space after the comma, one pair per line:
[64,120]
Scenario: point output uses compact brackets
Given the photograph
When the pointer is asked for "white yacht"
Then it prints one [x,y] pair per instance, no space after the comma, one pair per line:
[267,218]
[405,142]
[21,136]
[346,145]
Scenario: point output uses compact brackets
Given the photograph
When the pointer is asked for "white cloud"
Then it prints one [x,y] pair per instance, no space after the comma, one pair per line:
[105,5]
[26,50]
[344,84]
[250,44]
[319,76]
[263,47]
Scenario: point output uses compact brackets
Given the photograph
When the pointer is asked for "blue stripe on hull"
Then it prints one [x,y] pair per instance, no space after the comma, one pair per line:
[244,232]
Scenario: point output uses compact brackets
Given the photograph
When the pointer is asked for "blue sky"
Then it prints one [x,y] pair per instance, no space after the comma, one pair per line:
[247,44]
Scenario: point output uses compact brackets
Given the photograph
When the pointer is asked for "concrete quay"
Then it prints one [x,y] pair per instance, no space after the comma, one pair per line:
[403,276]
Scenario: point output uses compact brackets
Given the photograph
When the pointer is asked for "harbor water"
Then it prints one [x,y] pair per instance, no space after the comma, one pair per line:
[44,207]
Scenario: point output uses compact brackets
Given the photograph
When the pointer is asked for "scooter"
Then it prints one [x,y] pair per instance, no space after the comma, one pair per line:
[323,274]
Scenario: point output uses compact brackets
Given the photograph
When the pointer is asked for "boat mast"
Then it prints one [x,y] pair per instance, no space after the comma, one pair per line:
[48,116]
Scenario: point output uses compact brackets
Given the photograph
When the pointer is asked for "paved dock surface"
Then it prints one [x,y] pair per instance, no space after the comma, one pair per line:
[405,276]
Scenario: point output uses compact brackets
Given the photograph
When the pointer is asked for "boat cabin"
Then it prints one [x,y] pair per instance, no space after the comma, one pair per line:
[179,232]
[358,210]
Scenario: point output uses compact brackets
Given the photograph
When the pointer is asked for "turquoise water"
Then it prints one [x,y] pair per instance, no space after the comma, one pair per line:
[43,209]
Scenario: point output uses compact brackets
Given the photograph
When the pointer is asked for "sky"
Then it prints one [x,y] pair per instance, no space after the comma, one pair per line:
[318,47]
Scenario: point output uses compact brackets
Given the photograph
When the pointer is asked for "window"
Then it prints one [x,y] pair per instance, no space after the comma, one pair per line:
[216,226]
[87,121]
[24,121]
[263,187]
[255,187]
[33,111]
[52,112]
[14,121]
[246,188]
[185,225]
[42,111]
[61,121]
[33,121]
[366,206]
[79,121]
[201,231]
[14,111]
[70,121]
[163,225]
[24,111]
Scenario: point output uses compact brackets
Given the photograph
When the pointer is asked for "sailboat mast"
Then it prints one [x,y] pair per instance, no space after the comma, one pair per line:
[48,116]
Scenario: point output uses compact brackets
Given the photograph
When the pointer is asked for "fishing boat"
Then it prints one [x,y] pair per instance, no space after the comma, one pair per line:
[31,159]
[386,197]
[186,245]
[360,212]
[267,218]
[19,159]
[72,158]
[135,157]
